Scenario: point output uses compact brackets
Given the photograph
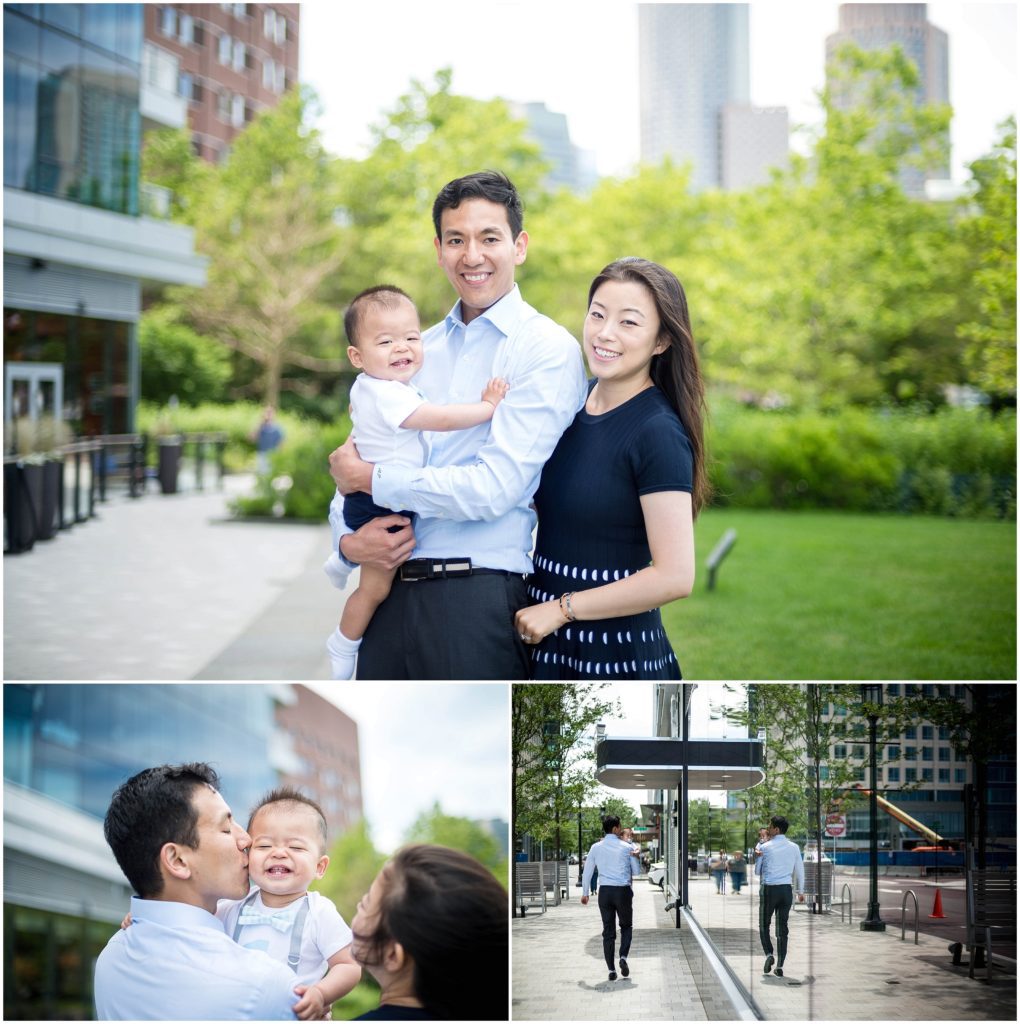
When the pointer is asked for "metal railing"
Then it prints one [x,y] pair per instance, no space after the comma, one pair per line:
[848,902]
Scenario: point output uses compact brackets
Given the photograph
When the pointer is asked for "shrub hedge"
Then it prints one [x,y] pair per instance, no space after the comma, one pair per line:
[959,462]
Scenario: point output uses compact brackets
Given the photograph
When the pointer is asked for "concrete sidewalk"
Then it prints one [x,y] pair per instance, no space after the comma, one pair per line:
[168,587]
[833,971]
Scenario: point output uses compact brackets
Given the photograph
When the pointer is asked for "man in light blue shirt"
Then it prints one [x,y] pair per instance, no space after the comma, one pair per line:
[778,862]
[179,847]
[617,863]
[450,612]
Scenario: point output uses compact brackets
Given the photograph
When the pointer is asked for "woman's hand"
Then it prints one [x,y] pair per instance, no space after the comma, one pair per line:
[535,623]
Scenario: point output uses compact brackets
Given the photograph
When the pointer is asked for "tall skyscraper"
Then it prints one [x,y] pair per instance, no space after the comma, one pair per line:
[694,67]
[880,26]
[570,166]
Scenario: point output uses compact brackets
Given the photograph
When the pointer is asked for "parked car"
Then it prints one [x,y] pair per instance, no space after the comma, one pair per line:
[657,874]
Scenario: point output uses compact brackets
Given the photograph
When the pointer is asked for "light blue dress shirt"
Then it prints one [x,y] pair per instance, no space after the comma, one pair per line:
[616,863]
[474,497]
[175,962]
[779,861]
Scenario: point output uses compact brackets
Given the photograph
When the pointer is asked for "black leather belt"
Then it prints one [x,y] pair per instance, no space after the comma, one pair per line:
[443,569]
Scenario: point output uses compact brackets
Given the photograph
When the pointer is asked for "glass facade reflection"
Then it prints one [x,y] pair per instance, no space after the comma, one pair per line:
[76,744]
[72,125]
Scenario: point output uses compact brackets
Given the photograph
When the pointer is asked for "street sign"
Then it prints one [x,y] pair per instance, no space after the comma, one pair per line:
[835,825]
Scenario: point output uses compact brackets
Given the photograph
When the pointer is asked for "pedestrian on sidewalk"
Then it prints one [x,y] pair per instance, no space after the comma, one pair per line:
[718,868]
[777,862]
[617,867]
[737,868]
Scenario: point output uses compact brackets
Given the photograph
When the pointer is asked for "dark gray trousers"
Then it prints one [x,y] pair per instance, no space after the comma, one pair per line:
[461,628]
[616,901]
[775,899]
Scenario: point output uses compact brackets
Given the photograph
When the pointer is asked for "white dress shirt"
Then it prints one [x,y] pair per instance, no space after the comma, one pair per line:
[324,934]
[175,962]
[474,497]
[779,861]
[616,863]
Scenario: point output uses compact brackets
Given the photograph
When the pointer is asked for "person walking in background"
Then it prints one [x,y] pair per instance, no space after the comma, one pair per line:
[717,866]
[267,436]
[778,862]
[737,868]
[617,867]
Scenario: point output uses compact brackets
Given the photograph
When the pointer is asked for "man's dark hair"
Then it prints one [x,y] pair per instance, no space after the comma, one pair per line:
[777,821]
[290,797]
[386,295]
[151,809]
[449,913]
[492,185]
[609,822]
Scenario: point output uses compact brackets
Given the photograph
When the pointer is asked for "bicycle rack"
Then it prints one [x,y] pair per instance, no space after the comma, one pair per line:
[848,902]
[903,916]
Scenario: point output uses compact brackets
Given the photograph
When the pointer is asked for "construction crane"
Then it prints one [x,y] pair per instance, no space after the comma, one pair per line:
[912,823]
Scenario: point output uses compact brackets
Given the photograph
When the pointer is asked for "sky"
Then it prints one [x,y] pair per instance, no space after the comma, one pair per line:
[423,742]
[580,59]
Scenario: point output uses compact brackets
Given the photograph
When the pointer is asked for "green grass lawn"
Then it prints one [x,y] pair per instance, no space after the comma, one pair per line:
[819,595]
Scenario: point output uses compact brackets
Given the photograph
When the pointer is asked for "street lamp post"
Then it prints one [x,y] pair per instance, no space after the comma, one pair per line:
[579,852]
[871,694]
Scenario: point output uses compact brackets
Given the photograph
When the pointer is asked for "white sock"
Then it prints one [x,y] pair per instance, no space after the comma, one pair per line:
[343,654]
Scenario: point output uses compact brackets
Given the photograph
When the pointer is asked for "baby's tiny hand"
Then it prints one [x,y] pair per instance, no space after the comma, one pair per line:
[126,923]
[311,1005]
[495,391]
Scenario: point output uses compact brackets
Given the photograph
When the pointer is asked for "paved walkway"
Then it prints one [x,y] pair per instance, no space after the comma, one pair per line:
[168,587]
[834,971]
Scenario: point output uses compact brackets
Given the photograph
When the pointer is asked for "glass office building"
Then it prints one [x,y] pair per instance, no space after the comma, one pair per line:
[66,749]
[76,250]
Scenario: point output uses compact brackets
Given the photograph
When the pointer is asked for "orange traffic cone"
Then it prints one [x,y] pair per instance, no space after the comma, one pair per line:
[936,910]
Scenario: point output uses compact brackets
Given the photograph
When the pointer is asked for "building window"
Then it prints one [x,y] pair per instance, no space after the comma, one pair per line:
[185,85]
[240,56]
[893,752]
[944,754]
[839,751]
[927,732]
[893,689]
[859,773]
[928,774]
[168,22]
[281,79]
[926,753]
[237,110]
[892,775]
[910,733]
[911,775]
[910,753]
[274,26]
[186,31]
[225,49]
[943,775]
[943,732]
[858,750]
[960,775]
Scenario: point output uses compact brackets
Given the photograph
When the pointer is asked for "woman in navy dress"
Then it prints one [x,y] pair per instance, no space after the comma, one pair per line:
[618,496]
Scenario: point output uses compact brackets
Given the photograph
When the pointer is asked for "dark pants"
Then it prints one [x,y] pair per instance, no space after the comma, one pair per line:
[616,901]
[775,899]
[461,628]
[737,878]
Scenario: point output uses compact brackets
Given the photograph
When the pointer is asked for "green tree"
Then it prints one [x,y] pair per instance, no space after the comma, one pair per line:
[175,360]
[550,771]
[714,828]
[990,230]
[591,820]
[267,220]
[433,826]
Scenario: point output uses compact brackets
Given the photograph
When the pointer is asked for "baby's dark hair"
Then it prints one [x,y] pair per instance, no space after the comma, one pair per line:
[289,796]
[386,295]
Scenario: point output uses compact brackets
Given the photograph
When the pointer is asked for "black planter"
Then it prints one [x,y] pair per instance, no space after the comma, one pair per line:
[169,465]
[20,481]
[49,499]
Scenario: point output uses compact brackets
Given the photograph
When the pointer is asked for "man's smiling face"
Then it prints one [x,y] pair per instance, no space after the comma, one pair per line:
[478,253]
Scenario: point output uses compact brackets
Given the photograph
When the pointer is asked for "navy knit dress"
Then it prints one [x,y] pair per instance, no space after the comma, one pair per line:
[591,531]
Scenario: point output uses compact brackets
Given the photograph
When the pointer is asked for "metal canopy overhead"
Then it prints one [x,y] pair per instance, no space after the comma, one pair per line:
[656,762]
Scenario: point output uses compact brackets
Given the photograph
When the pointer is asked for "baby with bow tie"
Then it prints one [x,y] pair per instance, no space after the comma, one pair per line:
[280,916]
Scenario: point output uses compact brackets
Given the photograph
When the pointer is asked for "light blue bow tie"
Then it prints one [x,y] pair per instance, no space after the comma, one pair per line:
[281,921]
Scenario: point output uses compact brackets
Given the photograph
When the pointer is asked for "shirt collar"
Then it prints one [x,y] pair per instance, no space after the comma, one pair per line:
[503,315]
[169,914]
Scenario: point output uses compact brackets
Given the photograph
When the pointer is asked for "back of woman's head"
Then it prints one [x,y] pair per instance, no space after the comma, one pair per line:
[676,372]
[450,915]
